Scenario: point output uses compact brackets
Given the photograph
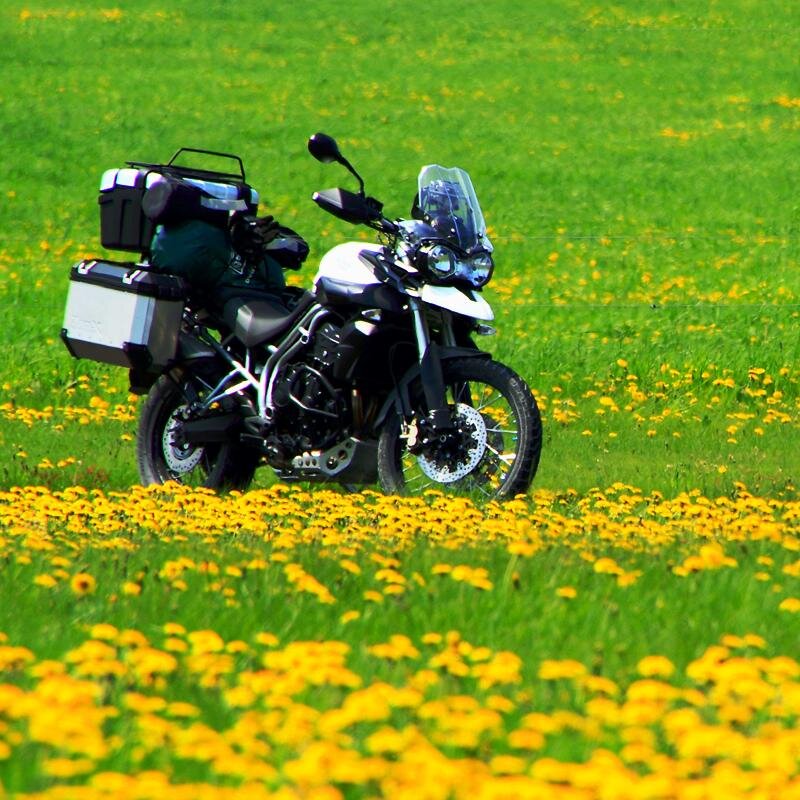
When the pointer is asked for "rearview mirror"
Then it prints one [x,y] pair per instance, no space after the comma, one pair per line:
[324,148]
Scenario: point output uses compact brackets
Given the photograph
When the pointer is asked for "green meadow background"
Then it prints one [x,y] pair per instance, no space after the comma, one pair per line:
[637,163]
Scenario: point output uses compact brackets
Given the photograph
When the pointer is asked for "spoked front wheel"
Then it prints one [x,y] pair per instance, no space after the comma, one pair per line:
[492,449]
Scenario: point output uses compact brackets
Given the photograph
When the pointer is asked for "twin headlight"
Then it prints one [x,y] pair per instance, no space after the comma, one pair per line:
[445,264]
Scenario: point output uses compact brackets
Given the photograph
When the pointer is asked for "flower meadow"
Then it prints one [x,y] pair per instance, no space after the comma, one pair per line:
[628,630]
[288,644]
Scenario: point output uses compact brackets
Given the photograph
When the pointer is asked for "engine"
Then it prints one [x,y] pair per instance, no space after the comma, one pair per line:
[310,409]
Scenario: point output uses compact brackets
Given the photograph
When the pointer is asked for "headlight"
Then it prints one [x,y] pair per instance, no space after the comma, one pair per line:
[482,268]
[445,264]
[441,261]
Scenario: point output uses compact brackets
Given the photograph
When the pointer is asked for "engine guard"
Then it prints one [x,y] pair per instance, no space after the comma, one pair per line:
[351,461]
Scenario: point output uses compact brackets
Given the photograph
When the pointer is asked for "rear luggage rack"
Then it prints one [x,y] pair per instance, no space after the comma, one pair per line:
[194,172]
[123,223]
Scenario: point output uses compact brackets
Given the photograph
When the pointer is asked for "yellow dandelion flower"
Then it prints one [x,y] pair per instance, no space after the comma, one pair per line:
[391,740]
[598,683]
[182,710]
[143,704]
[507,765]
[628,578]
[206,641]
[607,566]
[267,639]
[655,666]
[754,640]
[526,739]
[67,767]
[104,631]
[14,657]
[82,583]
[398,647]
[790,604]
[552,670]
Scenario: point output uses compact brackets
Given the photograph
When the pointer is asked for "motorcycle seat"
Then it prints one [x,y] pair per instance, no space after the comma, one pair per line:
[258,319]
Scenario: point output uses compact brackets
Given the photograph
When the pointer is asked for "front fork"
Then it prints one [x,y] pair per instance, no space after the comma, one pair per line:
[430,365]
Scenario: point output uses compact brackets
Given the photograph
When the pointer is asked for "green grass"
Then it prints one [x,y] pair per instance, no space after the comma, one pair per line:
[637,166]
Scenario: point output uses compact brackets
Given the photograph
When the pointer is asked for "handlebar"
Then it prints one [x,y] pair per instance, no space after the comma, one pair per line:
[387,226]
[356,209]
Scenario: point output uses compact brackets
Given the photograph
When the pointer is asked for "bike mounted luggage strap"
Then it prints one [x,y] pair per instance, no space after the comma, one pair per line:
[197,172]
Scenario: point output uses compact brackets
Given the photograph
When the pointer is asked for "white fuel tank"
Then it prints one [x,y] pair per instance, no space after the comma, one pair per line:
[342,264]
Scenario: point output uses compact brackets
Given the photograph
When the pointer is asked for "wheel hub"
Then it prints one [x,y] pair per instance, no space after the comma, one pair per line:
[180,458]
[461,452]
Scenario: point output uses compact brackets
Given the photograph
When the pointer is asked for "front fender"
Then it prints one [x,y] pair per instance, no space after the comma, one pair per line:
[466,302]
[400,399]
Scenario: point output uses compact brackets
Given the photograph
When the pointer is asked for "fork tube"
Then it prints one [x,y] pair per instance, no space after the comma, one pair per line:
[448,334]
[430,367]
[421,331]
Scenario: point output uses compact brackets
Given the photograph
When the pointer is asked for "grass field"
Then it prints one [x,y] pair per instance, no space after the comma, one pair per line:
[631,629]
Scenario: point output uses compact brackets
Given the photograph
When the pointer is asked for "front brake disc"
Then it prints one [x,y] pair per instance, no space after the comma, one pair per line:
[442,467]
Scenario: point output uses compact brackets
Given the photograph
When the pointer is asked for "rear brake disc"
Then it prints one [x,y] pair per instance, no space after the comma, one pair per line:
[180,458]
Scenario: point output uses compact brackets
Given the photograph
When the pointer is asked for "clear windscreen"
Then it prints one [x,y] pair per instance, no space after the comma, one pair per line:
[448,203]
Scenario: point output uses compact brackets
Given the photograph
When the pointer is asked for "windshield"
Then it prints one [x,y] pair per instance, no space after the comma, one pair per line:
[448,203]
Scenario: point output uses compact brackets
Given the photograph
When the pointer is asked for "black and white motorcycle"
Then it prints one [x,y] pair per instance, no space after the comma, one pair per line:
[370,376]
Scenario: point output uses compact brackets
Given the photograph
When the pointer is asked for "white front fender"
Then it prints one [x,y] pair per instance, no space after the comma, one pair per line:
[467,302]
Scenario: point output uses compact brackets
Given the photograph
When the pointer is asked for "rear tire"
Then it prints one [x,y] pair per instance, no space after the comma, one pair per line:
[496,450]
[161,459]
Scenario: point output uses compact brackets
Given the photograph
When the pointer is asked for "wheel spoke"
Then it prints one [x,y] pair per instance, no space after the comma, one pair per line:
[488,403]
[480,488]
[416,478]
[505,458]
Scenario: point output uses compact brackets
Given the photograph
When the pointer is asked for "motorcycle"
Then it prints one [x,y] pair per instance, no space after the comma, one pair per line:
[371,376]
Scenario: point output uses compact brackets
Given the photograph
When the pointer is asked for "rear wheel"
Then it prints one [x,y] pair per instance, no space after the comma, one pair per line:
[493,449]
[162,455]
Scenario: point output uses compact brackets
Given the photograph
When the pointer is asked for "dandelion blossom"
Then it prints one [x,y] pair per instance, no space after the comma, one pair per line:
[83,583]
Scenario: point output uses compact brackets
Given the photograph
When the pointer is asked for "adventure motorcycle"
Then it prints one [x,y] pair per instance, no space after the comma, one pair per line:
[372,375]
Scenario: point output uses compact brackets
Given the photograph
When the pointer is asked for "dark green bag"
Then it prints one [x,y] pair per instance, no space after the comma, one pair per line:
[202,254]
[195,250]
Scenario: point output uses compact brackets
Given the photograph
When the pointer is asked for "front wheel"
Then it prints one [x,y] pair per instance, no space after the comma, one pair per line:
[492,450]
[161,454]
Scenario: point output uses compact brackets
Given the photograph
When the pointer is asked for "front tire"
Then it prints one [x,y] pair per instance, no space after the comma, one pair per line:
[161,458]
[494,451]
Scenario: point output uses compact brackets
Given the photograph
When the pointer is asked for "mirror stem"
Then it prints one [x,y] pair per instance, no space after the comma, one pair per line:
[349,167]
